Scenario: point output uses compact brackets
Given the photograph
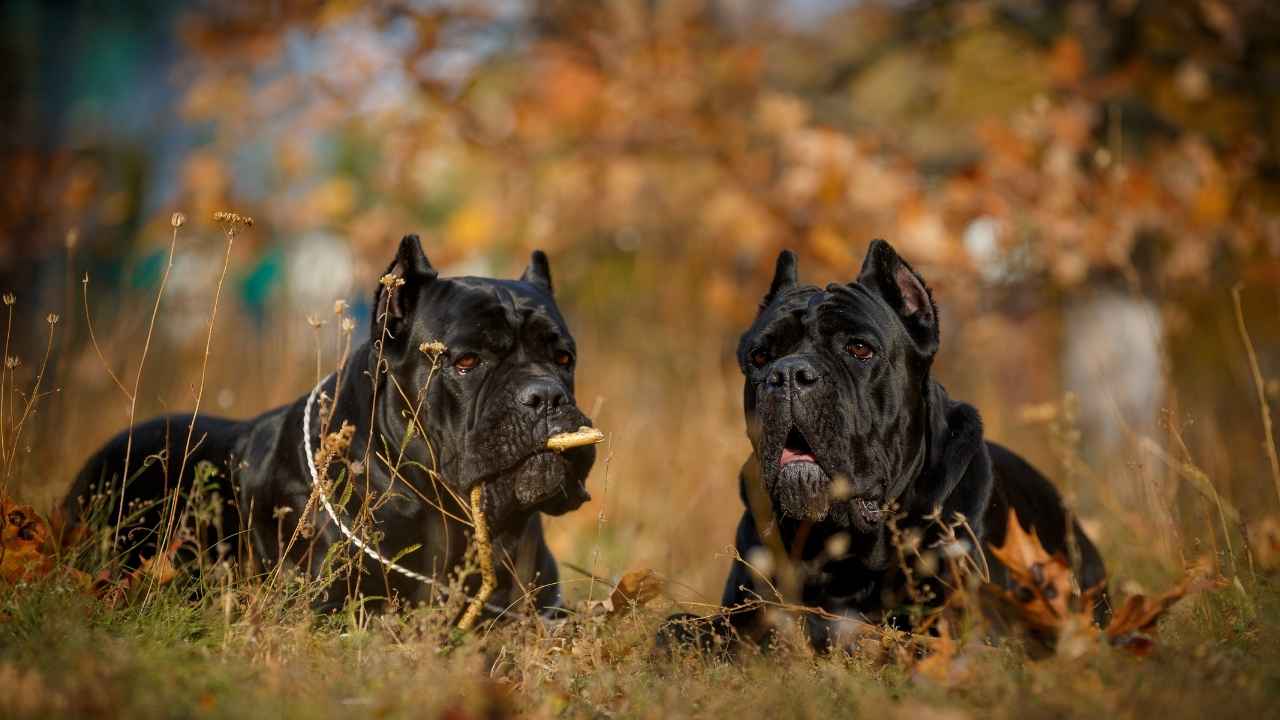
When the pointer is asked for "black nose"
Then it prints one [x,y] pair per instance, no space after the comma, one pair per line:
[794,374]
[543,394]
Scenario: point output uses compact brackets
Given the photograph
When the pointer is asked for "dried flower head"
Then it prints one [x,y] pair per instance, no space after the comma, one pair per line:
[232,218]
[177,220]
[10,298]
[348,324]
[53,318]
[333,445]
[391,280]
[316,322]
[232,222]
[433,349]
[12,362]
[340,306]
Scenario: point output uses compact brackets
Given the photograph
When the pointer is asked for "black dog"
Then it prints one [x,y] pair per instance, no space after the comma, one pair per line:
[487,403]
[853,442]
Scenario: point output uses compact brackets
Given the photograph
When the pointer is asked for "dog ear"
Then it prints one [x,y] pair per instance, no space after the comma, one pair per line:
[398,287]
[905,291]
[539,271]
[784,277]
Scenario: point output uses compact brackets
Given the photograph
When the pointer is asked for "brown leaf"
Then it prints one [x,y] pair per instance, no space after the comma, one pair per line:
[1044,592]
[940,665]
[636,587]
[24,538]
[1132,626]
[1045,601]
[160,567]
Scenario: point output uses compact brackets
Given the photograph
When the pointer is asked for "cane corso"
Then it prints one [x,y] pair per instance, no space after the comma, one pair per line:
[856,446]
[430,423]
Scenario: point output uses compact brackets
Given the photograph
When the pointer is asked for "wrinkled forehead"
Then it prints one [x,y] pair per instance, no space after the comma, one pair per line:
[784,318]
[853,307]
[495,312]
[850,307]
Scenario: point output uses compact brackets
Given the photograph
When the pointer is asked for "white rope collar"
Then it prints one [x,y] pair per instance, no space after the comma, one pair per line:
[347,532]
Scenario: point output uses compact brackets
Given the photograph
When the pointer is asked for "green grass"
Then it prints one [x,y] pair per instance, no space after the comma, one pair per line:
[64,654]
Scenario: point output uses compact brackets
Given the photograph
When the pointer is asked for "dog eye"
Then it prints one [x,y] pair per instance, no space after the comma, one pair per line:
[860,350]
[564,359]
[466,362]
[760,358]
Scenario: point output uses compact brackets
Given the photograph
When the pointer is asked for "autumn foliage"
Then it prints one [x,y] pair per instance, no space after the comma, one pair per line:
[1044,597]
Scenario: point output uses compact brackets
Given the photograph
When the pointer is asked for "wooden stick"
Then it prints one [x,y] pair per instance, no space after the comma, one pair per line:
[583,436]
[484,551]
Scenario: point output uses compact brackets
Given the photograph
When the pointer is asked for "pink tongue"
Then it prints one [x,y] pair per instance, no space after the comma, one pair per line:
[789,456]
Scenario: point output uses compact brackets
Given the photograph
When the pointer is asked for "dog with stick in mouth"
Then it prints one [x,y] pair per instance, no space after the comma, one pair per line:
[462,410]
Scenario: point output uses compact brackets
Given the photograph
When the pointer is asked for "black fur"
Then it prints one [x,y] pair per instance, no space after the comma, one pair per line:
[876,438]
[486,425]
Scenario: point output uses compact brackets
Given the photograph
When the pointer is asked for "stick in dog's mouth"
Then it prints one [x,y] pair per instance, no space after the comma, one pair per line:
[578,438]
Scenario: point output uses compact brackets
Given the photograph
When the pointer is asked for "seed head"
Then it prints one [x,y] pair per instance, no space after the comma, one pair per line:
[177,220]
[348,324]
[435,348]
[10,298]
[232,222]
[391,280]
[232,218]
[340,306]
[53,318]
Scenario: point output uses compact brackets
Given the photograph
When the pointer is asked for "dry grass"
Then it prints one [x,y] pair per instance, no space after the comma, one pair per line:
[665,499]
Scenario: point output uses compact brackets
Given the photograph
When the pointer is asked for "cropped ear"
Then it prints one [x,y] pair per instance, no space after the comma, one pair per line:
[398,287]
[539,271]
[784,277]
[904,290]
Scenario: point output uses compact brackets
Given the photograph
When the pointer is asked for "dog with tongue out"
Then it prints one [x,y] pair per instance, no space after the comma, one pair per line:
[849,431]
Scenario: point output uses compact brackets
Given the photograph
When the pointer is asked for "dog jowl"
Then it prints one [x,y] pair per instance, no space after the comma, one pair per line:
[853,441]
[835,392]
[429,425]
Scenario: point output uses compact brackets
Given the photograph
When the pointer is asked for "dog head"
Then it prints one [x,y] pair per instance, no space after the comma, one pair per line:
[835,383]
[485,367]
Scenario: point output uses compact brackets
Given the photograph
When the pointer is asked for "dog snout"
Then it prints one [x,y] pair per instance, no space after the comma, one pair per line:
[543,395]
[793,375]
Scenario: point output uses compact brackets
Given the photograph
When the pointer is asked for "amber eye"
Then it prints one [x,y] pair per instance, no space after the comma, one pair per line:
[760,358]
[860,350]
[564,359]
[466,362]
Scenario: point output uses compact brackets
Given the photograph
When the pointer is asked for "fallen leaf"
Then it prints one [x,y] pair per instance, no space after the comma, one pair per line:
[1132,626]
[940,666]
[1043,589]
[24,538]
[636,588]
[160,567]
[1044,599]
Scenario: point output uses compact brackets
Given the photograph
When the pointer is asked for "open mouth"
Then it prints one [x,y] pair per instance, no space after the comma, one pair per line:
[796,449]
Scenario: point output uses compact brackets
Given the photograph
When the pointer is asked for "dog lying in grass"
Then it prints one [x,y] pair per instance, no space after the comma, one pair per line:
[858,451]
[463,384]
